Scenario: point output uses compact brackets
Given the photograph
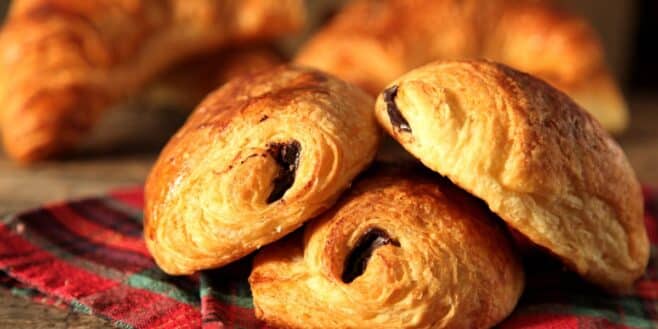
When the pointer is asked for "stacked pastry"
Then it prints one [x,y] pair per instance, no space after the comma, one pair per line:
[274,151]
[280,161]
[266,163]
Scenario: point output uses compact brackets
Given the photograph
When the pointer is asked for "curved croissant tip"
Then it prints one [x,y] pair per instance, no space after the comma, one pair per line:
[30,146]
[49,122]
[23,154]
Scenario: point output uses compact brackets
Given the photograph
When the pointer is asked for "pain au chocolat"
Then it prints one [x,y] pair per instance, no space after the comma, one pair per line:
[257,158]
[539,161]
[401,250]
[65,62]
[372,42]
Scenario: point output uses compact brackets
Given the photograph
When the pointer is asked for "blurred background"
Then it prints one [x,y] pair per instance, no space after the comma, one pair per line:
[628,29]
[129,139]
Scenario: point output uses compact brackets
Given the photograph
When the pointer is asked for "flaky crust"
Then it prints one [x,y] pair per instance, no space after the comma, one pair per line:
[372,42]
[447,264]
[63,62]
[535,157]
[258,158]
[185,85]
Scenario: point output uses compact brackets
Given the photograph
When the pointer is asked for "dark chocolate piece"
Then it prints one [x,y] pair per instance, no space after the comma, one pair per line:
[357,260]
[397,120]
[286,156]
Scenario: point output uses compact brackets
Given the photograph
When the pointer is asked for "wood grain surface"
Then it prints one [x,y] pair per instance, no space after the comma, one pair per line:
[121,153]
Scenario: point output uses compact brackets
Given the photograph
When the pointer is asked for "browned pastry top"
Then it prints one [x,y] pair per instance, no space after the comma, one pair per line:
[400,250]
[540,161]
[258,158]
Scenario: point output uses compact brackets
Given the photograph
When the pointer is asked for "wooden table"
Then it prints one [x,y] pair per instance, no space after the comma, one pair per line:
[141,134]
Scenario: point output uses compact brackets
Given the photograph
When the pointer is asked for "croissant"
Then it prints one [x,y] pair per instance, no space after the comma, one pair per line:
[63,62]
[372,42]
[401,250]
[539,161]
[185,85]
[258,158]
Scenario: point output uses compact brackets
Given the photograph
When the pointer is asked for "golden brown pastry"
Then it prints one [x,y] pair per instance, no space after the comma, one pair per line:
[185,85]
[536,158]
[258,158]
[399,251]
[372,42]
[63,62]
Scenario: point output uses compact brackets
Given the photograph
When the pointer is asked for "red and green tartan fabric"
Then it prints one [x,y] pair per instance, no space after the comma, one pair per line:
[88,255]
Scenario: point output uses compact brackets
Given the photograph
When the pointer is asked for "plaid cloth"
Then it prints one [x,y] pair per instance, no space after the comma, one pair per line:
[89,256]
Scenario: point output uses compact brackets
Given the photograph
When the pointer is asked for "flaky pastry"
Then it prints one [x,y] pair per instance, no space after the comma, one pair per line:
[64,62]
[258,158]
[401,250]
[539,161]
[372,42]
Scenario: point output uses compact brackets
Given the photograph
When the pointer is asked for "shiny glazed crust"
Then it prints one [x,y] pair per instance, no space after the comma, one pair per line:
[535,157]
[64,62]
[372,42]
[214,195]
[448,264]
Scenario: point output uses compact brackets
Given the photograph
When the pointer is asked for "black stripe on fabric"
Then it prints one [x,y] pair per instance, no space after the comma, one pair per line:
[43,223]
[99,212]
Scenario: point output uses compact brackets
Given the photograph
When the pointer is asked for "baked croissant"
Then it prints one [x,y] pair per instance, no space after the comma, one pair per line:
[372,42]
[258,158]
[401,250]
[186,84]
[64,62]
[536,158]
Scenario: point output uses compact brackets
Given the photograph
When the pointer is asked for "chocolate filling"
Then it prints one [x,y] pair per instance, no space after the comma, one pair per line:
[286,156]
[397,120]
[357,260]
